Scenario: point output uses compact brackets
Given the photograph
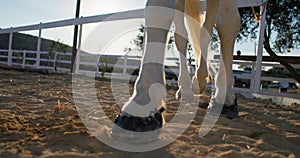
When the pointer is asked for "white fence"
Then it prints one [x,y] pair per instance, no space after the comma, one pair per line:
[34,59]
[251,76]
[93,63]
[40,59]
[61,61]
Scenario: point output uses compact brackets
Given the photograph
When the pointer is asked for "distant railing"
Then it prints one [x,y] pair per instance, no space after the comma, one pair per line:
[124,66]
[35,59]
[251,76]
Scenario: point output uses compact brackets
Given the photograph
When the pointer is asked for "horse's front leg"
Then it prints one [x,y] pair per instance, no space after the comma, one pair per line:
[184,92]
[228,26]
[142,112]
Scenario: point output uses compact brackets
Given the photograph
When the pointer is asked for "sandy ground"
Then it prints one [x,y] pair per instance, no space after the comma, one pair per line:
[32,125]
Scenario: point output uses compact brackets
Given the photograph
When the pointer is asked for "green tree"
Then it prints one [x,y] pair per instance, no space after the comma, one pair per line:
[281,33]
[283,18]
[282,29]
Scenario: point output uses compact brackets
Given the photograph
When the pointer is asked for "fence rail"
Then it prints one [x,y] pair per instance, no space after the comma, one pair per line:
[59,61]
[125,67]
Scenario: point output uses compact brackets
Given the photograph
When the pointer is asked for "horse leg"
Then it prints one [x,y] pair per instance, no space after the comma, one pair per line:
[184,80]
[149,90]
[228,26]
[199,79]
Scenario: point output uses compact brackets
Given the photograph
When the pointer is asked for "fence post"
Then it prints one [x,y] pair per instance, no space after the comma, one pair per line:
[38,54]
[9,61]
[262,26]
[98,64]
[77,62]
[24,58]
[252,80]
[55,61]
[125,66]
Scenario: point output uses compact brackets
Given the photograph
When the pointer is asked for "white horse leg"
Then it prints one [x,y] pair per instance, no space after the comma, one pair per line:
[184,80]
[228,26]
[149,90]
[199,80]
[194,23]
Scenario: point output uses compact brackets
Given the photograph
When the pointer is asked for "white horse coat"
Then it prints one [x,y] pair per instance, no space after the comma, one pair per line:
[149,91]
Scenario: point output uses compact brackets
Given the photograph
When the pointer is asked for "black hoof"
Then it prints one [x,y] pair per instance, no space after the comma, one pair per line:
[140,124]
[126,124]
[228,111]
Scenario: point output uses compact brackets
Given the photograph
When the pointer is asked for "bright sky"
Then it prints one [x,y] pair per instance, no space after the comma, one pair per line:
[110,37]
[26,12]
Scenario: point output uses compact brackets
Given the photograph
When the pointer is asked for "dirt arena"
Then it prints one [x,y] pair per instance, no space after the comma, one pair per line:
[32,124]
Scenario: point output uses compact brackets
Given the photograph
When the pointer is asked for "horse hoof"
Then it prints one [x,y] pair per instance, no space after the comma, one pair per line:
[187,96]
[197,87]
[228,111]
[138,129]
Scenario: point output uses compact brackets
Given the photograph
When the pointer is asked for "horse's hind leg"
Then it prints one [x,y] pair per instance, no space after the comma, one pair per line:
[184,79]
[228,26]
[200,37]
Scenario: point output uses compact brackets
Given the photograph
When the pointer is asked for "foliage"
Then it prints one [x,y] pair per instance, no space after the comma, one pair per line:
[29,42]
[277,72]
[284,26]
[138,41]
[283,19]
[283,22]
[245,68]
[57,46]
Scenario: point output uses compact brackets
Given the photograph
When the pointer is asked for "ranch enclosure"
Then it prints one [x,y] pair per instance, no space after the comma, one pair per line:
[39,118]
[127,66]
[249,83]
